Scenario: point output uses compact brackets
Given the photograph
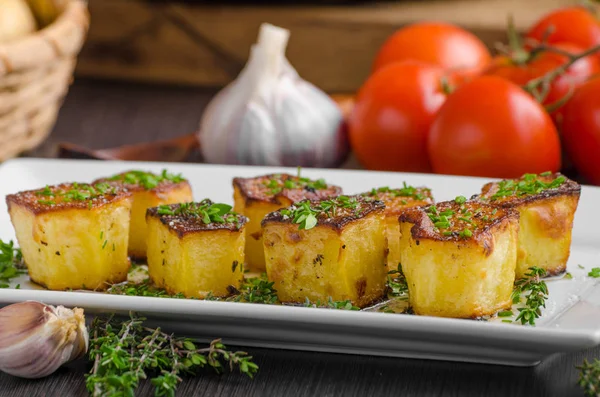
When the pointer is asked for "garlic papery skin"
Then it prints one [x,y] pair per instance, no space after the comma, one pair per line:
[36,339]
[269,115]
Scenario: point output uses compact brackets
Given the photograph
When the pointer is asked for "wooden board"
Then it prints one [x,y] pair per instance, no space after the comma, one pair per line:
[331,46]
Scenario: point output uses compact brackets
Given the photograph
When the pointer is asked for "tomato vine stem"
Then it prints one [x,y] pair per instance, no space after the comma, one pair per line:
[540,86]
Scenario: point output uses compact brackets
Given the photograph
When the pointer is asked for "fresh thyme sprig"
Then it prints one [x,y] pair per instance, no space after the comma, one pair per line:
[257,290]
[396,282]
[147,180]
[206,210]
[537,294]
[11,263]
[526,185]
[305,213]
[589,377]
[126,351]
[253,290]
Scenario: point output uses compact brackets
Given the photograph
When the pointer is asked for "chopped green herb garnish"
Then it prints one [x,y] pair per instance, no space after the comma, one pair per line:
[305,213]
[568,276]
[276,184]
[460,200]
[331,304]
[595,272]
[466,233]
[206,210]
[505,313]
[405,191]
[147,180]
[526,185]
[396,282]
[77,192]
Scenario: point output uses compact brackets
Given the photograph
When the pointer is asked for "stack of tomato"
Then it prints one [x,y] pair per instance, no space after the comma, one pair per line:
[437,101]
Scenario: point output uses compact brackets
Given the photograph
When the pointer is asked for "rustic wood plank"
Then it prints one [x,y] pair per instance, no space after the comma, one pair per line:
[331,46]
[306,374]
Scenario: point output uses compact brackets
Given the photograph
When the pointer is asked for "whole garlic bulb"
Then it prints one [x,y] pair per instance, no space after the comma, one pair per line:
[269,115]
[36,339]
[16,20]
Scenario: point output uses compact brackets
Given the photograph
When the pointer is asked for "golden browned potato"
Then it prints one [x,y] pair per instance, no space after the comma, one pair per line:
[149,190]
[73,236]
[196,248]
[324,249]
[459,258]
[546,204]
[396,202]
[256,197]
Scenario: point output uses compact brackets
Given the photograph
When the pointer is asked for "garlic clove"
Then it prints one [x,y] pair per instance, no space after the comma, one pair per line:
[36,339]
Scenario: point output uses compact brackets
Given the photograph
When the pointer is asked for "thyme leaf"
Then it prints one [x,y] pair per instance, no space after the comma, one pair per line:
[589,377]
[126,351]
[536,294]
[11,263]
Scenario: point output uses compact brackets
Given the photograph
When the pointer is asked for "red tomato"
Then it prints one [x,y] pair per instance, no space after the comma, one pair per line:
[544,62]
[581,130]
[574,25]
[503,66]
[392,114]
[491,127]
[442,44]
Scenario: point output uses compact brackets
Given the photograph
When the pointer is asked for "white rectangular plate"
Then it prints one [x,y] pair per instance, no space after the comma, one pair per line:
[570,322]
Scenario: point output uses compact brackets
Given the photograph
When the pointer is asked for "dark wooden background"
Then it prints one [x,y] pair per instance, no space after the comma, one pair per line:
[102,114]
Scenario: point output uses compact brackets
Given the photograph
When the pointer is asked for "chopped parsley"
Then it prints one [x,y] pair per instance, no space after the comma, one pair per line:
[147,180]
[278,182]
[76,192]
[404,191]
[458,220]
[305,213]
[205,210]
[595,272]
[528,184]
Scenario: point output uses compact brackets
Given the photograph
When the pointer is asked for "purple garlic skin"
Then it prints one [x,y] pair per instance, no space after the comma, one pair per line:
[36,339]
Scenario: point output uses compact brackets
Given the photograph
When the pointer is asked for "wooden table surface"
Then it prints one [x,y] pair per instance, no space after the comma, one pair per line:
[100,114]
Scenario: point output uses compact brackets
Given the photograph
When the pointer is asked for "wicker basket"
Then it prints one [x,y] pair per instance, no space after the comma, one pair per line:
[35,73]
